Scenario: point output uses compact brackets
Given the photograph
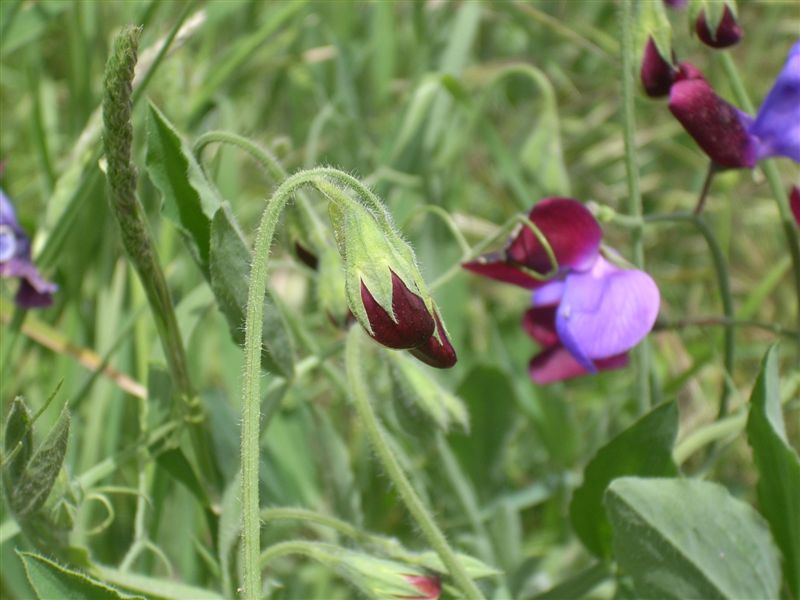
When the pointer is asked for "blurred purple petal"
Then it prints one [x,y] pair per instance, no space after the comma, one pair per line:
[777,124]
[727,34]
[557,364]
[550,293]
[606,311]
[677,4]
[15,260]
[571,230]
[540,324]
[717,127]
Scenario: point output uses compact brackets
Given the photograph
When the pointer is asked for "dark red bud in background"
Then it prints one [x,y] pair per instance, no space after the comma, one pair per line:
[657,74]
[676,4]
[687,71]
[414,325]
[429,587]
[728,31]
[794,203]
[437,354]
[715,125]
[306,256]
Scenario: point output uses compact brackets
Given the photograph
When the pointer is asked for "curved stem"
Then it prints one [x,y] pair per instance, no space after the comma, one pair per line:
[701,199]
[445,217]
[772,174]
[303,548]
[632,169]
[723,281]
[421,515]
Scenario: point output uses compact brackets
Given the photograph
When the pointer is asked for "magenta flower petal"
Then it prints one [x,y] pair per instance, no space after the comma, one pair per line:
[571,230]
[794,203]
[657,74]
[605,312]
[717,127]
[557,364]
[728,31]
[494,266]
[540,324]
[436,353]
[777,124]
[412,324]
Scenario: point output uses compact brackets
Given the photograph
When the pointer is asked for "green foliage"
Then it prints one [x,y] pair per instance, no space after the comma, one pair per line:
[690,539]
[643,450]
[778,467]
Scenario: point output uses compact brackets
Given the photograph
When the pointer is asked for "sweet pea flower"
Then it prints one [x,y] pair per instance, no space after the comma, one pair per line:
[15,261]
[733,139]
[592,312]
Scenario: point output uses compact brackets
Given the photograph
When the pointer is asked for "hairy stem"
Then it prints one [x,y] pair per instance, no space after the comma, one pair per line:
[421,515]
[632,170]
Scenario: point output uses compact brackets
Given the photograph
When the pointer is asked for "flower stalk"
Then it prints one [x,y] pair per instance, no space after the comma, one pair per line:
[421,515]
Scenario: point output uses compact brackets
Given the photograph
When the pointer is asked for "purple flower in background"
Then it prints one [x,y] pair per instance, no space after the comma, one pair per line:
[733,139]
[728,32]
[676,4]
[15,261]
[589,315]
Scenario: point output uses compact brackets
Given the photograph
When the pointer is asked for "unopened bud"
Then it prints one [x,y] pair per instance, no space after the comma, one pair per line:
[437,351]
[727,33]
[429,586]
[657,74]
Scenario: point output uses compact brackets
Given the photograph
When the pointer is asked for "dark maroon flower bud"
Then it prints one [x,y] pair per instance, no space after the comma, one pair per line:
[687,71]
[727,34]
[306,256]
[657,74]
[676,4]
[717,127]
[411,325]
[437,351]
[794,203]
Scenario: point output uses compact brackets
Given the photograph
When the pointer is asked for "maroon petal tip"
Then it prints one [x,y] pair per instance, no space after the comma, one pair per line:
[656,73]
[728,32]
[794,203]
[557,364]
[539,322]
[414,324]
[440,355]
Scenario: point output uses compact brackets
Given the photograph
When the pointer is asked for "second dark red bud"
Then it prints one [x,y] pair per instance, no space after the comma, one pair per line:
[728,31]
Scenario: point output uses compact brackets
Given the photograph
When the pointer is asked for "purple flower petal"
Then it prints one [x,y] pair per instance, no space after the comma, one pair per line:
[540,324]
[728,31]
[676,4]
[550,293]
[606,311]
[716,126]
[571,230]
[557,364]
[777,124]
[412,324]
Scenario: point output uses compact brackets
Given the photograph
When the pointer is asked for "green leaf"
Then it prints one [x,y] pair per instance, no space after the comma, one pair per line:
[50,580]
[189,201]
[175,463]
[652,21]
[18,438]
[644,449]
[229,268]
[416,385]
[154,588]
[778,467]
[480,453]
[681,538]
[37,479]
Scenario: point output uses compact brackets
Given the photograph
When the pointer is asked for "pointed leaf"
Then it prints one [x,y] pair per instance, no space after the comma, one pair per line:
[18,438]
[644,449]
[778,467]
[50,580]
[229,267]
[37,479]
[189,200]
[690,539]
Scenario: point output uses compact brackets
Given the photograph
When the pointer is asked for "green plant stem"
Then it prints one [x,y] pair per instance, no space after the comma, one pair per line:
[445,217]
[421,515]
[311,550]
[251,387]
[773,176]
[723,282]
[634,194]
[135,232]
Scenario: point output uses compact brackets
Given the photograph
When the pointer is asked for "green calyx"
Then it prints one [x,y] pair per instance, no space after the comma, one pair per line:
[372,250]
